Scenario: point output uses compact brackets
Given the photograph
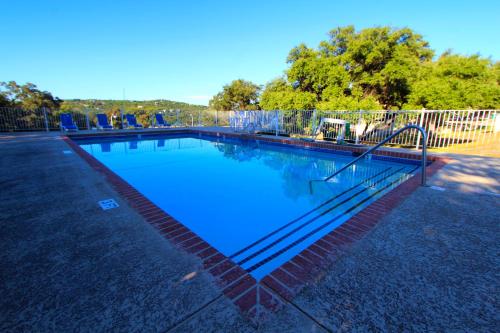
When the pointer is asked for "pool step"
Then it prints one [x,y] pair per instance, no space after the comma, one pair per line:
[335,202]
[370,181]
[319,221]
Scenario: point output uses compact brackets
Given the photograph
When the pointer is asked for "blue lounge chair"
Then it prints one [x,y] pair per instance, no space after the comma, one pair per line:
[132,122]
[102,122]
[160,122]
[67,123]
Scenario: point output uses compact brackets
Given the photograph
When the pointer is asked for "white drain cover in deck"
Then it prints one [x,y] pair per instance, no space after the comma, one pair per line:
[438,188]
[108,204]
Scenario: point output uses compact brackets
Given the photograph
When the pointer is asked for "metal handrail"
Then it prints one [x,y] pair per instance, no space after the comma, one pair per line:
[390,137]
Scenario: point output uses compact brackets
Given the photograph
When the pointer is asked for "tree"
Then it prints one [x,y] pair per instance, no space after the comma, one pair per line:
[372,68]
[238,95]
[353,102]
[278,95]
[382,61]
[457,82]
[4,101]
[27,96]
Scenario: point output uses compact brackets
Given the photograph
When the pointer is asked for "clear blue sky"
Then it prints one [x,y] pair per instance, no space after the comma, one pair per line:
[187,50]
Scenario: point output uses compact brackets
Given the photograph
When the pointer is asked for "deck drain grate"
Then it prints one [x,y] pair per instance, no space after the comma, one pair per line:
[108,204]
[67,152]
[438,188]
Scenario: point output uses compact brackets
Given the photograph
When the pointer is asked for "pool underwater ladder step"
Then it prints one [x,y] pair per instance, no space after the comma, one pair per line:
[264,249]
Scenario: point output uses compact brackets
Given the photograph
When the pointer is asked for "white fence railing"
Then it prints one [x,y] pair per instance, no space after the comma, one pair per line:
[444,127]
[257,121]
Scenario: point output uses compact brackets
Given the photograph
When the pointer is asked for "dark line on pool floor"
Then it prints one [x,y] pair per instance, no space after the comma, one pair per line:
[272,244]
[304,215]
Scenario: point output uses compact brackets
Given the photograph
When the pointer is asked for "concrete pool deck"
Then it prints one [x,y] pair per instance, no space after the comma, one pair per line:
[431,265]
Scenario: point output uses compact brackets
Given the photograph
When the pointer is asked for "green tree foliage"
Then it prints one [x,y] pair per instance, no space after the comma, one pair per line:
[381,68]
[373,68]
[381,61]
[355,101]
[238,95]
[278,95]
[457,82]
[4,101]
[26,96]
[143,110]
[132,106]
[29,97]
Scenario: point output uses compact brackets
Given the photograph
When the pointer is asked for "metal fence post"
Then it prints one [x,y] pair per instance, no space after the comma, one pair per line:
[87,118]
[420,124]
[358,126]
[121,116]
[313,127]
[277,122]
[216,118]
[44,109]
[496,118]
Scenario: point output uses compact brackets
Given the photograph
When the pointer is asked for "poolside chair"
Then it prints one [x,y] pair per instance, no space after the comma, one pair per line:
[67,123]
[102,122]
[342,127]
[160,122]
[132,122]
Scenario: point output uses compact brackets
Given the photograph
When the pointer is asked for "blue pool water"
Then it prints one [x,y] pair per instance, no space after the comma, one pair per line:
[250,200]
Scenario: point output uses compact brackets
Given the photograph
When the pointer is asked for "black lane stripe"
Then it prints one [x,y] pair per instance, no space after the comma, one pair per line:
[312,232]
[303,225]
[301,217]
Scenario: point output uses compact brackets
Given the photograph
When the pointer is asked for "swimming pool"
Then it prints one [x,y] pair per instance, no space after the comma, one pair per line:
[251,200]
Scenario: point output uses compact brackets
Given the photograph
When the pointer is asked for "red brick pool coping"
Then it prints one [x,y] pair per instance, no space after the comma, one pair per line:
[252,297]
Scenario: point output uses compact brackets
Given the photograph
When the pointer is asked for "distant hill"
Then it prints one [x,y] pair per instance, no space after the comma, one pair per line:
[106,105]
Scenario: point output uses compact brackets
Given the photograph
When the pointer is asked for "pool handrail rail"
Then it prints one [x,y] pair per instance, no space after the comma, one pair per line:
[389,138]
